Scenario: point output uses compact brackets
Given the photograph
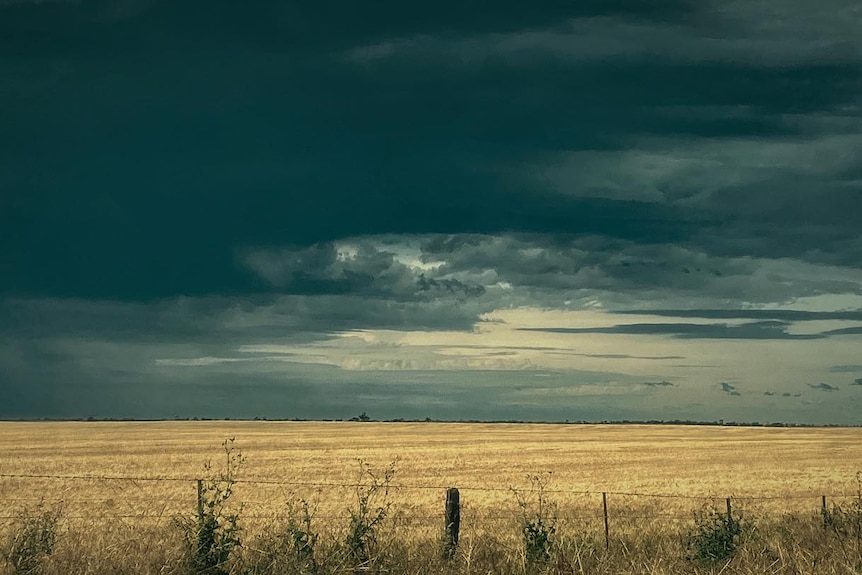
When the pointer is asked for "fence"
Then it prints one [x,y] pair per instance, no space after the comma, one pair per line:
[452,510]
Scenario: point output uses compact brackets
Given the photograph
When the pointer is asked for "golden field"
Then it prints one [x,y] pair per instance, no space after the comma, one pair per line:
[769,472]
[651,459]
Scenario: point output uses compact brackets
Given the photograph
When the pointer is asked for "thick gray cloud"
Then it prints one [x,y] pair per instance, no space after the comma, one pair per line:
[856,330]
[746,147]
[711,31]
[566,264]
[785,315]
[74,358]
[551,269]
[201,319]
[754,330]
[321,269]
[180,180]
[359,268]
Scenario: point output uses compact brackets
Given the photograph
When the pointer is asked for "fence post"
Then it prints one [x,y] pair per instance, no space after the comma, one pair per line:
[605,514]
[824,511]
[729,513]
[200,499]
[453,521]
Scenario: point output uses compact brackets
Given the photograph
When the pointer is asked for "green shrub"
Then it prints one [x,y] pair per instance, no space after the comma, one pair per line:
[31,539]
[537,521]
[214,532]
[715,537]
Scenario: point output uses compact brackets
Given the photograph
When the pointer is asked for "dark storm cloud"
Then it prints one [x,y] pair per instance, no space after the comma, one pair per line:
[556,266]
[822,386]
[361,269]
[565,262]
[798,32]
[178,179]
[809,218]
[729,389]
[139,392]
[223,319]
[845,331]
[320,269]
[74,358]
[137,387]
[754,330]
[449,286]
[317,25]
[151,140]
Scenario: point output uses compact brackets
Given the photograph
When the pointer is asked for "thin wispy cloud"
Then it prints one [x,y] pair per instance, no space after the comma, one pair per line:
[729,389]
[754,330]
[853,368]
[658,384]
[822,386]
[807,35]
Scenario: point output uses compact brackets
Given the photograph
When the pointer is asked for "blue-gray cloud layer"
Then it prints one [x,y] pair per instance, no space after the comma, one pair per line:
[145,142]
[755,330]
[184,177]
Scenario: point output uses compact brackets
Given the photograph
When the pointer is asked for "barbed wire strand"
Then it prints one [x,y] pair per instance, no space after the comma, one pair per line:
[278,482]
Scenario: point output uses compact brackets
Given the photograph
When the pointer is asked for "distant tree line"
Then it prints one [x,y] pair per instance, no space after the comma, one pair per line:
[365,418]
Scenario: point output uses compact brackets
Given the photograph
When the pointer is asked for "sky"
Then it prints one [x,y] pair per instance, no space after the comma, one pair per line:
[595,210]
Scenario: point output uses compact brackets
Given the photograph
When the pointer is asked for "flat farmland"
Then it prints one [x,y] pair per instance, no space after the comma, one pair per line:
[121,486]
[791,467]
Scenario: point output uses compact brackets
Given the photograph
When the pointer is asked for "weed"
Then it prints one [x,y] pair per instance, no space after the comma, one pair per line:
[372,507]
[214,532]
[847,520]
[288,548]
[301,538]
[31,540]
[715,537]
[537,521]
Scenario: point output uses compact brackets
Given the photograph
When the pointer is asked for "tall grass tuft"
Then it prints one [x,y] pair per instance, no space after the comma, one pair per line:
[372,506]
[31,540]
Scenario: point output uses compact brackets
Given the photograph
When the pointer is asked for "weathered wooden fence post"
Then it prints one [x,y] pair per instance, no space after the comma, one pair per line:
[200,499]
[824,512]
[605,513]
[729,513]
[453,521]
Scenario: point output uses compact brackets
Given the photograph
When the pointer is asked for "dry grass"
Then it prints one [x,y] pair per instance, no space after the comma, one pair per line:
[776,476]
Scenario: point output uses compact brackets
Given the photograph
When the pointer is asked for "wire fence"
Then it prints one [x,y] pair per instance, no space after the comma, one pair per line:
[162,498]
